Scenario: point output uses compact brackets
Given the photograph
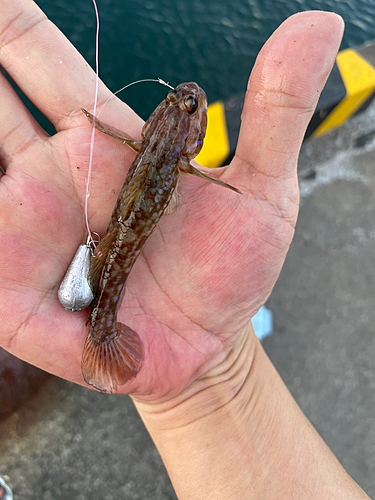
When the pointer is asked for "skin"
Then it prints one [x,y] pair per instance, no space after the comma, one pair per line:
[42,200]
[202,275]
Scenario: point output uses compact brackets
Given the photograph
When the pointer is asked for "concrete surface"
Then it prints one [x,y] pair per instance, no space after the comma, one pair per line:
[71,443]
[324,301]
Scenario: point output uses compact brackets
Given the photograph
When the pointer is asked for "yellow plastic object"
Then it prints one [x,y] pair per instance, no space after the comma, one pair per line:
[216,143]
[359,79]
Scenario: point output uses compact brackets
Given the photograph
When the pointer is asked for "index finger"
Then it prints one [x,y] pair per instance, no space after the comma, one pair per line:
[43,63]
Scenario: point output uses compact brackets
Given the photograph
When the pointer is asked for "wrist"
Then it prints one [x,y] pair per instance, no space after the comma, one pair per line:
[219,388]
[236,432]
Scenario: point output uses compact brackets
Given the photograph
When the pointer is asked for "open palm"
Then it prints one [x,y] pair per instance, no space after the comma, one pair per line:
[208,267]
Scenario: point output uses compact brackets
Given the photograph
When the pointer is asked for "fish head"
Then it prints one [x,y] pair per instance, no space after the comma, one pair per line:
[180,120]
[192,102]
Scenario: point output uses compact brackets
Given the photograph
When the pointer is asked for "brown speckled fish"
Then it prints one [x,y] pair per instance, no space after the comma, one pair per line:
[171,137]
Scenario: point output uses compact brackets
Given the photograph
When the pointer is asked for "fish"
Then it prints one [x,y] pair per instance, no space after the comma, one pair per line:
[173,135]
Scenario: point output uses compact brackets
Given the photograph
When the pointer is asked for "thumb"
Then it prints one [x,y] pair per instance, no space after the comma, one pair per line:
[283,90]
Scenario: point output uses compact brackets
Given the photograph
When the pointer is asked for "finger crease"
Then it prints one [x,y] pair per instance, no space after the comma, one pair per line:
[19,34]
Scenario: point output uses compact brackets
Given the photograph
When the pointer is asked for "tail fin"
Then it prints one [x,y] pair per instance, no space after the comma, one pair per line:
[114,361]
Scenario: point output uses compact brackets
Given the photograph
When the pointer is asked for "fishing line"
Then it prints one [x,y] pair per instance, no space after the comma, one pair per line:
[158,80]
[93,122]
[75,292]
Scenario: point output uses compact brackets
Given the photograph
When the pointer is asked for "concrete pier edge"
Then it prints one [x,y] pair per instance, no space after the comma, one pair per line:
[349,90]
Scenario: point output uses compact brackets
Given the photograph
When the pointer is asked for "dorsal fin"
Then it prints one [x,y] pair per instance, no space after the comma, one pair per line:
[131,194]
[99,258]
[128,201]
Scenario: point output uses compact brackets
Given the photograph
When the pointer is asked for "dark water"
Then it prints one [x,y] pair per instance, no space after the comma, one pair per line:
[214,42]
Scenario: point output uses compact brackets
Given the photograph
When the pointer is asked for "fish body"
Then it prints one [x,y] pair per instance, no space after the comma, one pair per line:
[171,137]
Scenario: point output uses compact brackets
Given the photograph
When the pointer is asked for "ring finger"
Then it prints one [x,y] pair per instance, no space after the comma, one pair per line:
[18,128]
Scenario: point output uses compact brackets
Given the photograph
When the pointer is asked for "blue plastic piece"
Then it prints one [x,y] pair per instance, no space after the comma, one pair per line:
[263,323]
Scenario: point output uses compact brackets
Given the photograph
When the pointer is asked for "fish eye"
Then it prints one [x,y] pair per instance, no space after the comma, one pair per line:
[191,104]
[171,97]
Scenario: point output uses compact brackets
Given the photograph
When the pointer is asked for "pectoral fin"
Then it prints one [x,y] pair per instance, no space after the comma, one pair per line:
[114,132]
[186,168]
[176,199]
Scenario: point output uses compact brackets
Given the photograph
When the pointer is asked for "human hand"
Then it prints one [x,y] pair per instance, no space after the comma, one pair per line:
[208,267]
